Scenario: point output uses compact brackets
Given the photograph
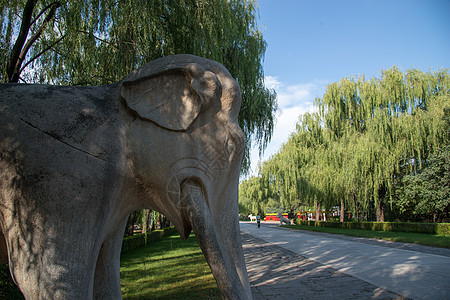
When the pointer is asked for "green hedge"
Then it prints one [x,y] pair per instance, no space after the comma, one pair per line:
[431,228]
[139,240]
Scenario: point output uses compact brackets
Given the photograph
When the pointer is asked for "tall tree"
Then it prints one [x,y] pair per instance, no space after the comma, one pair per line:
[250,196]
[366,136]
[392,116]
[100,41]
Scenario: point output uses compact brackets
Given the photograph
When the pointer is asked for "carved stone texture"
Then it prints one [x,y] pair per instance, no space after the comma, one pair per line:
[75,161]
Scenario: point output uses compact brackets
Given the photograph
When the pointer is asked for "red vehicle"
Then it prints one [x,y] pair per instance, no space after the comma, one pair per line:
[273,217]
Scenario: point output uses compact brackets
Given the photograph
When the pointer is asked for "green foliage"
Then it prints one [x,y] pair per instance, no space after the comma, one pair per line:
[100,42]
[141,240]
[250,196]
[428,191]
[428,228]
[368,139]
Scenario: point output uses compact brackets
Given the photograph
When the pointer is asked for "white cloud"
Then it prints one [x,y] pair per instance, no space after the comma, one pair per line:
[293,101]
[292,95]
[272,82]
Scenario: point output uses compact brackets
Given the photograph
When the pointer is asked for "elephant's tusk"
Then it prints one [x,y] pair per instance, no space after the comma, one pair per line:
[213,245]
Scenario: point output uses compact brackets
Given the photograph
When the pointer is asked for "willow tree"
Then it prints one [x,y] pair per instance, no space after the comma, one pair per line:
[367,136]
[251,196]
[397,121]
[99,42]
[290,171]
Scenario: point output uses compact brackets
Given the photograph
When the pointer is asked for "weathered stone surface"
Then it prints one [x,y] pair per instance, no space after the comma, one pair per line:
[75,161]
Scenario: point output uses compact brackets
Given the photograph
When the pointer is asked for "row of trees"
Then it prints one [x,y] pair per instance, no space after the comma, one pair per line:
[378,147]
[145,220]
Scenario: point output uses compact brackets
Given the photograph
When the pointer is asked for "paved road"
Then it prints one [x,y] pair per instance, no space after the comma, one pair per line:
[302,265]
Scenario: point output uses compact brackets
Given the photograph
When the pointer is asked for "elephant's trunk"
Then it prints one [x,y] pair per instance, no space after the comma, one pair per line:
[220,241]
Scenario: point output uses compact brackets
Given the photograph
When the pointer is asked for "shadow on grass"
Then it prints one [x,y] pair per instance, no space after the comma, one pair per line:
[168,269]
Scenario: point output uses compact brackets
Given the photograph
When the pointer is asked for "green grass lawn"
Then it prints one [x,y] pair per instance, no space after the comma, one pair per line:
[406,237]
[167,269]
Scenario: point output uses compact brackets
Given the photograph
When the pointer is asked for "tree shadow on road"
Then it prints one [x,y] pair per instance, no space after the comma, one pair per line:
[277,273]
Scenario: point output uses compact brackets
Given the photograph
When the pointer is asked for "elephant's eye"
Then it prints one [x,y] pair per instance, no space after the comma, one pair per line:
[229,147]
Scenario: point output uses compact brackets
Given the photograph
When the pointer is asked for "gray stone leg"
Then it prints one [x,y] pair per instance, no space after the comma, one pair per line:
[53,273]
[107,271]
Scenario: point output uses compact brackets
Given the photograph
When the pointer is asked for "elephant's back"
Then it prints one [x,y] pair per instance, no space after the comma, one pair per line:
[58,150]
[77,117]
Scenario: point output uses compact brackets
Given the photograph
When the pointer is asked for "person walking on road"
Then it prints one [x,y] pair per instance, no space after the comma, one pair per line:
[258,220]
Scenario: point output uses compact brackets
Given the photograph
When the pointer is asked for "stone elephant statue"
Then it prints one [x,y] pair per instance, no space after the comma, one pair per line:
[283,219]
[75,161]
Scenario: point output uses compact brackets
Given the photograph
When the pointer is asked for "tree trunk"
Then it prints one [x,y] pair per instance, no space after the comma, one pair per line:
[327,214]
[163,221]
[380,211]
[155,218]
[380,208]
[358,207]
[20,48]
[145,220]
[130,224]
[358,212]
[317,205]
[342,212]
[20,41]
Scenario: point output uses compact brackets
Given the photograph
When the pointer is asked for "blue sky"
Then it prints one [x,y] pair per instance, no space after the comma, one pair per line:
[314,43]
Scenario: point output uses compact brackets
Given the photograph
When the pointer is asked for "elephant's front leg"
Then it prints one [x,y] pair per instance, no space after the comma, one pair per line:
[107,271]
[46,268]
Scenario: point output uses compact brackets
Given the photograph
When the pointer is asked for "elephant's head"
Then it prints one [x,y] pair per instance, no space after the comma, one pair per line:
[185,147]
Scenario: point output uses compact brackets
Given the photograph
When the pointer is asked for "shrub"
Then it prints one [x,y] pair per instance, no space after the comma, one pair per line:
[140,240]
[430,228]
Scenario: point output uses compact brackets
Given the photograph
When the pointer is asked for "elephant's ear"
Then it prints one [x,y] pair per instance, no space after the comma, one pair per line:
[171,98]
